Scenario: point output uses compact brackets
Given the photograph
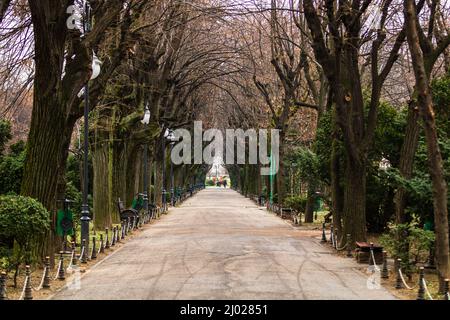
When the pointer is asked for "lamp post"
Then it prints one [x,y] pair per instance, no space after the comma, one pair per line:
[146,121]
[172,139]
[85,218]
[172,191]
[166,134]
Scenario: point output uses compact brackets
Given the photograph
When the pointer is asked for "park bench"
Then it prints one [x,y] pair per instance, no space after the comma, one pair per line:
[130,213]
[363,253]
[286,211]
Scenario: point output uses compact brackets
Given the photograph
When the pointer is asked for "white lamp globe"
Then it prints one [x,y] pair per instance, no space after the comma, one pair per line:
[147,114]
[96,66]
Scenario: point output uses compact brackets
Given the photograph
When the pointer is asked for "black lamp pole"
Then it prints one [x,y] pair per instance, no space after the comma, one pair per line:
[163,171]
[172,190]
[145,197]
[85,219]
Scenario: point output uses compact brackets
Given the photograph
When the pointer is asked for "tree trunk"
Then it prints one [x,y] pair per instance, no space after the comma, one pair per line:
[336,189]
[434,154]
[158,181]
[280,175]
[407,153]
[102,188]
[354,215]
[309,211]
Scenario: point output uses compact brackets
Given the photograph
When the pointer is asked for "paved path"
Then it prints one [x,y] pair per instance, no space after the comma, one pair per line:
[220,245]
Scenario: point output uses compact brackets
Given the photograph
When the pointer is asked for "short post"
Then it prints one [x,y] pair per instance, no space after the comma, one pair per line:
[28,290]
[398,281]
[446,290]
[102,244]
[421,292]
[122,230]
[113,237]
[384,270]
[61,272]
[83,251]
[119,233]
[126,227]
[371,255]
[331,235]
[74,254]
[94,248]
[335,237]
[116,234]
[349,245]
[107,246]
[46,283]
[324,237]
[3,286]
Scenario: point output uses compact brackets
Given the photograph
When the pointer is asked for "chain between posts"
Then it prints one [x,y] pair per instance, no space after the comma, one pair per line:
[404,281]
[22,295]
[426,289]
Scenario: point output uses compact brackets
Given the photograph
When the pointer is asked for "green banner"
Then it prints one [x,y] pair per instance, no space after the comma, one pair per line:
[64,223]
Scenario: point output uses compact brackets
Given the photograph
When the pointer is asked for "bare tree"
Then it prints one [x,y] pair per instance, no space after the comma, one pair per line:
[425,103]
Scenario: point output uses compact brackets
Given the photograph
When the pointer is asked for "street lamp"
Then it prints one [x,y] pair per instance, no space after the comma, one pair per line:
[146,121]
[172,139]
[166,134]
[96,65]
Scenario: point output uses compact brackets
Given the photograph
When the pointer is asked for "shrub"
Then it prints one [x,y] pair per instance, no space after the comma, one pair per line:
[297,203]
[11,170]
[408,236]
[23,222]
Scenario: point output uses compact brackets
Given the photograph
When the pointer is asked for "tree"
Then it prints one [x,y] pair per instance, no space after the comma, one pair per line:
[425,102]
[339,57]
[62,67]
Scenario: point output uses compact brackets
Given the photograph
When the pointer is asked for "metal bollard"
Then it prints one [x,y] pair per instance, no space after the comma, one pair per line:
[46,283]
[398,281]
[331,235]
[94,248]
[102,244]
[83,251]
[113,238]
[118,237]
[421,292]
[335,237]
[107,238]
[349,246]
[446,290]
[28,289]
[384,270]
[3,286]
[371,255]
[324,237]
[125,224]
[74,254]
[61,272]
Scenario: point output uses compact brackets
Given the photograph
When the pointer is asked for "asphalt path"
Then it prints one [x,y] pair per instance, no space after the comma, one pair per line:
[220,245]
